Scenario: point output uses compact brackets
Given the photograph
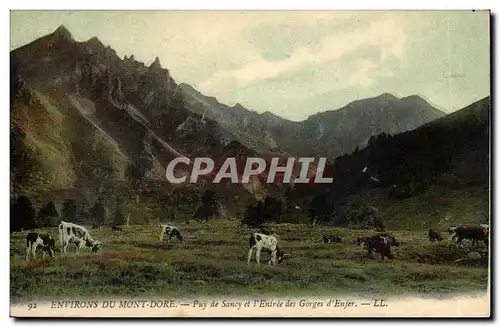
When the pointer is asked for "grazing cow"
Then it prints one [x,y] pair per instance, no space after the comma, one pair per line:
[169,231]
[473,233]
[379,244]
[434,235]
[33,240]
[78,235]
[389,239]
[268,243]
[332,239]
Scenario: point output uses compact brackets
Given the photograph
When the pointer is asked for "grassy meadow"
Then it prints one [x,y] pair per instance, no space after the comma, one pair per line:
[212,262]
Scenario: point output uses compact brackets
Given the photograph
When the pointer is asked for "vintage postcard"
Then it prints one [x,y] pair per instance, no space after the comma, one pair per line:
[250,164]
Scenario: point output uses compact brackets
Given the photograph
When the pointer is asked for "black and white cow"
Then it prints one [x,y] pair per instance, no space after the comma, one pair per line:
[34,239]
[269,244]
[332,239]
[169,231]
[70,233]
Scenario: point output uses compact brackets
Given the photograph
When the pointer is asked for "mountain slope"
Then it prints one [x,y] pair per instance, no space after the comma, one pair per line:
[81,117]
[324,134]
[436,175]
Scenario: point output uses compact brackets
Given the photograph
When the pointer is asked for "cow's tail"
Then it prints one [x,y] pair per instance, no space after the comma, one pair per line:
[252,241]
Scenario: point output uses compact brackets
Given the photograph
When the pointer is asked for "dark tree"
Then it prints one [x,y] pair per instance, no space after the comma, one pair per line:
[273,208]
[209,205]
[48,215]
[257,214]
[98,212]
[254,215]
[118,216]
[69,210]
[321,207]
[22,215]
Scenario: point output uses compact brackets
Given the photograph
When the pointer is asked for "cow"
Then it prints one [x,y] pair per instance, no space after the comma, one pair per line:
[379,244]
[332,239]
[390,239]
[78,235]
[169,231]
[268,243]
[434,235]
[473,233]
[34,239]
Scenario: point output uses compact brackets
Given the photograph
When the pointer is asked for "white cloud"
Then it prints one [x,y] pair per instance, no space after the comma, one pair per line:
[383,34]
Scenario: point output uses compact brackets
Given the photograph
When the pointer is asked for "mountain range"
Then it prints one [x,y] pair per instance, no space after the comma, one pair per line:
[84,118]
[327,133]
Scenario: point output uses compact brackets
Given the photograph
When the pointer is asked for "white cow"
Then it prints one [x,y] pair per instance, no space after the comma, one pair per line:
[78,235]
[168,231]
[267,243]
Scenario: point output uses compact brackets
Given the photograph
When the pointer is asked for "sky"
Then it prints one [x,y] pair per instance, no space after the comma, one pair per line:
[294,63]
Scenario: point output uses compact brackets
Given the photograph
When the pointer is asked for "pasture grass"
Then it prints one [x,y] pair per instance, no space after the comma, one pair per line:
[212,262]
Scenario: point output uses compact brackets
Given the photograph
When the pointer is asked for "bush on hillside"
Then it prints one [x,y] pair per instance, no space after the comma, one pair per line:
[361,216]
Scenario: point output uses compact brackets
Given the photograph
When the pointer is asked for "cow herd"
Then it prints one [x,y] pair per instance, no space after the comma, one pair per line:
[70,233]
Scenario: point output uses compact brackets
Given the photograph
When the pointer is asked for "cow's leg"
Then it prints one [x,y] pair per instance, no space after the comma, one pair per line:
[28,251]
[161,236]
[249,255]
[64,248]
[43,254]
[33,250]
[80,245]
[257,256]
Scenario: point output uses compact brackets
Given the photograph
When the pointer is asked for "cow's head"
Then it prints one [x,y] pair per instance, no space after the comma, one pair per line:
[360,242]
[280,255]
[94,246]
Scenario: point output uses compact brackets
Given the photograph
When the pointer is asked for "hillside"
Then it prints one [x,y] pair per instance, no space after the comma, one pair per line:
[435,175]
[86,121]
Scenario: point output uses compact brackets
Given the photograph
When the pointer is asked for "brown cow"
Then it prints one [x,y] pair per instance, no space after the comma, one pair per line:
[379,244]
[473,233]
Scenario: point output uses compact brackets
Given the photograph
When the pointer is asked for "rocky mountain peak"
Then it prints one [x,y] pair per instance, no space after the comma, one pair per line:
[156,64]
[62,33]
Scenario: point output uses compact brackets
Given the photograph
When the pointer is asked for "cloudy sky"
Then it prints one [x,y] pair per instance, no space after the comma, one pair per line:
[294,63]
